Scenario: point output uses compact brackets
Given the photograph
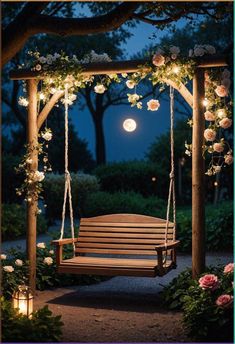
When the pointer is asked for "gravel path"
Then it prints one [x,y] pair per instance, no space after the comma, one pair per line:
[122,309]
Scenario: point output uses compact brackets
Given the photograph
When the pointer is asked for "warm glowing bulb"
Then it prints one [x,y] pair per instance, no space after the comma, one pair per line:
[176,69]
[205,102]
[129,124]
[41,96]
[154,179]
[216,184]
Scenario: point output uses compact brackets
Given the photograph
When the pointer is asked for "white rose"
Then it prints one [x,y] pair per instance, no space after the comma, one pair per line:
[210,134]
[199,51]
[99,89]
[3,256]
[51,252]
[130,84]
[56,55]
[41,245]
[48,260]
[174,50]
[210,49]
[8,268]
[47,136]
[38,67]
[132,98]
[153,105]
[49,59]
[38,176]
[23,101]
[18,262]
[228,159]
[42,59]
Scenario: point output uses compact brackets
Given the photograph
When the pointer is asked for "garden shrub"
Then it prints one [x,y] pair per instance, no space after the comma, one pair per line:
[101,203]
[14,222]
[82,185]
[131,176]
[41,327]
[207,303]
[219,227]
[15,270]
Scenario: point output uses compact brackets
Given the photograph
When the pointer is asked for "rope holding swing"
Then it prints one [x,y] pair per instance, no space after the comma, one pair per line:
[171,194]
[67,188]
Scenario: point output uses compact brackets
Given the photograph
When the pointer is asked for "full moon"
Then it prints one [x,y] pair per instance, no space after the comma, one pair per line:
[129,124]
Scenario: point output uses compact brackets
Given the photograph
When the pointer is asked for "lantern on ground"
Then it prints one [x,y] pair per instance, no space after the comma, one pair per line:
[23,300]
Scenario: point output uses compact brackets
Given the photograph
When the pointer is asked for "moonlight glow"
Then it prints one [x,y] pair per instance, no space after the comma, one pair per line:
[129,124]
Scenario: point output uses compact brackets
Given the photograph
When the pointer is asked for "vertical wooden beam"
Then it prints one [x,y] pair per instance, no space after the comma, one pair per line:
[198,173]
[32,132]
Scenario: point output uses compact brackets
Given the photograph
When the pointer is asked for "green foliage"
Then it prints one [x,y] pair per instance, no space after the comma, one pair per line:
[203,319]
[14,222]
[41,327]
[82,185]
[130,176]
[219,227]
[100,203]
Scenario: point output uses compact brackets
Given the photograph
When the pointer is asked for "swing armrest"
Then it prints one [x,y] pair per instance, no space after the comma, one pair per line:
[163,247]
[62,242]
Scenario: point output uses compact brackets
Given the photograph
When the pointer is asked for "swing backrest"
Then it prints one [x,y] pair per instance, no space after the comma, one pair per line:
[122,234]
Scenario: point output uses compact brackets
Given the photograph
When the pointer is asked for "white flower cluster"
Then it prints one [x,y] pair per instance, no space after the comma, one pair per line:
[93,57]
[22,101]
[134,100]
[71,98]
[200,50]
[38,176]
[100,89]
[47,134]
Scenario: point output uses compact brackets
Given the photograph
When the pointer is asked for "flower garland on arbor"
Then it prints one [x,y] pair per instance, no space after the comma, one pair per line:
[165,63]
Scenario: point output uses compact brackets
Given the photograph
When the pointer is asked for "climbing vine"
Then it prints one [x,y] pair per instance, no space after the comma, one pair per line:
[60,70]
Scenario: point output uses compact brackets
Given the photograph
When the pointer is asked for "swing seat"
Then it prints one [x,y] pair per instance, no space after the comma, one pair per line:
[120,245]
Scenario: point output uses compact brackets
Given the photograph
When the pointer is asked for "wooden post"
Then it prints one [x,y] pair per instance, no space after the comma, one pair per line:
[32,206]
[198,172]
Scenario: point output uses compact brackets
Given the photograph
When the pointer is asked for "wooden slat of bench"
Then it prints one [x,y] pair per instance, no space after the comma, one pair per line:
[84,234]
[116,245]
[115,251]
[136,218]
[124,229]
[109,262]
[125,224]
[121,240]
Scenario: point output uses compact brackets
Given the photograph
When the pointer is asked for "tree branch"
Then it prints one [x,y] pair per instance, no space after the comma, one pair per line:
[48,107]
[29,23]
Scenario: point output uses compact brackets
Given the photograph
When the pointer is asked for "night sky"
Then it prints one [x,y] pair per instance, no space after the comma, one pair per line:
[121,145]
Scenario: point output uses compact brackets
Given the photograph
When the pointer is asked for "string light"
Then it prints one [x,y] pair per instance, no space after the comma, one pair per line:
[216,184]
[205,102]
[176,69]
[41,96]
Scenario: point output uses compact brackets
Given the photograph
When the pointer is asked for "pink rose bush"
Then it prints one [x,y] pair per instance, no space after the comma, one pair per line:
[209,281]
[229,268]
[225,301]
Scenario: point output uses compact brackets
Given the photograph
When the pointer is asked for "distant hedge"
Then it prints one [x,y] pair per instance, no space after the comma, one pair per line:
[137,176]
[100,203]
[82,185]
[14,222]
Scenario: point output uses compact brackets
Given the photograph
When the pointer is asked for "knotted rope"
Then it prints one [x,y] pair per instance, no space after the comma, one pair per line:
[67,188]
[171,194]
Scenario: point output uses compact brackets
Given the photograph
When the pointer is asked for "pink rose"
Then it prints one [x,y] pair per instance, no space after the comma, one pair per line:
[209,281]
[209,116]
[225,123]
[218,147]
[221,91]
[210,134]
[224,301]
[153,105]
[229,268]
[228,159]
[174,56]
[158,60]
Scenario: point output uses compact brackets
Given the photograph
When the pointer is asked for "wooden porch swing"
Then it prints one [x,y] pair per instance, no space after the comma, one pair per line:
[120,235]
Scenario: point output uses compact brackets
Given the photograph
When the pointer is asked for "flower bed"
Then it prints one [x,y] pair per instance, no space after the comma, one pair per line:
[207,303]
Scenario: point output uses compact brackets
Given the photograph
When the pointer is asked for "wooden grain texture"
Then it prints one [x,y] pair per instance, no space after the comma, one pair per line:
[198,173]
[32,133]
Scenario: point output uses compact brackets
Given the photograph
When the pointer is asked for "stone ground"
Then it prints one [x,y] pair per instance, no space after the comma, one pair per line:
[120,310]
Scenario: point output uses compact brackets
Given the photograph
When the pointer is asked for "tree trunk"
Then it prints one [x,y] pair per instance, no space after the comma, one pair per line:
[100,140]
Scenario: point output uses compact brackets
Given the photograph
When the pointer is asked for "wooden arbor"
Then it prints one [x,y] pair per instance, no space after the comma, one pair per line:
[35,121]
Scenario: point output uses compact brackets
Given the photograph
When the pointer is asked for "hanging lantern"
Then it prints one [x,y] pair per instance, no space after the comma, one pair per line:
[23,300]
